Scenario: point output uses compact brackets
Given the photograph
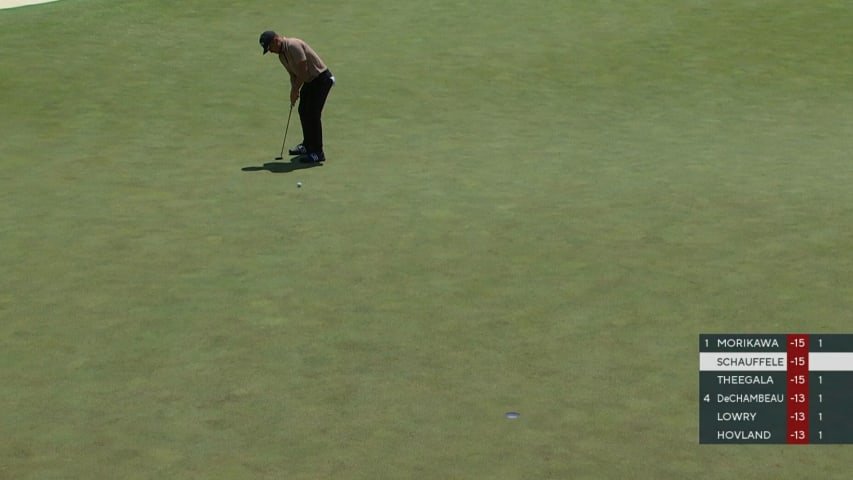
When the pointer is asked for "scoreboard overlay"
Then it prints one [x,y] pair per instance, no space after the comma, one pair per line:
[776,388]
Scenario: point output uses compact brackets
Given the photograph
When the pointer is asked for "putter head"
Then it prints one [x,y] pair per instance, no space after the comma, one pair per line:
[279,158]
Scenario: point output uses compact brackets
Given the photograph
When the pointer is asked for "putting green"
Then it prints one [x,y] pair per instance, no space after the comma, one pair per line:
[530,207]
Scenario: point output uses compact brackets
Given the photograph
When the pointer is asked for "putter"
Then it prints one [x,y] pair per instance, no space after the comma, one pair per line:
[283,142]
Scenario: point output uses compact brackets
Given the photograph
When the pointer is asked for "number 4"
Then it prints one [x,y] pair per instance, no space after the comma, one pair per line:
[707,398]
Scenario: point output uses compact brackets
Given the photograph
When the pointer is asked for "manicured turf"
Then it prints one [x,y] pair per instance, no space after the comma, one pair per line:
[528,206]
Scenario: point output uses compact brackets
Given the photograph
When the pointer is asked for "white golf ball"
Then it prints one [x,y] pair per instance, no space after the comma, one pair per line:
[298,184]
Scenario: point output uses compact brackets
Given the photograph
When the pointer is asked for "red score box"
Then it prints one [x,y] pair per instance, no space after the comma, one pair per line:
[798,389]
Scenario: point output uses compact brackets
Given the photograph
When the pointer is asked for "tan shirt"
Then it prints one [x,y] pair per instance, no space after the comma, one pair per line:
[294,51]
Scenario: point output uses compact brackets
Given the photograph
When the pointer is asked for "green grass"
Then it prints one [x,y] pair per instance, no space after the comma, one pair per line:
[527,206]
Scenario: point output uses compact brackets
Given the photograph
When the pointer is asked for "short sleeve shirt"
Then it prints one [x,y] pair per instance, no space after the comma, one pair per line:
[294,51]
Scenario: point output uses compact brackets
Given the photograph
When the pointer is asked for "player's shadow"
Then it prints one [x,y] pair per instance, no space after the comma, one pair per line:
[282,167]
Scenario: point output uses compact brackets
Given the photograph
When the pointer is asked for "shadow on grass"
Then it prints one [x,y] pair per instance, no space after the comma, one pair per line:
[282,167]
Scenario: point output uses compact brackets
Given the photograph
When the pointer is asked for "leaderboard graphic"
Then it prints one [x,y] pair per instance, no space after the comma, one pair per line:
[776,388]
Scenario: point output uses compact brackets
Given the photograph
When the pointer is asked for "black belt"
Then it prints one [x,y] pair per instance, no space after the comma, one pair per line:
[323,75]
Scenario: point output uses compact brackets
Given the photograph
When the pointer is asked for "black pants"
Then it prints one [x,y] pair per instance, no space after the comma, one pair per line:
[312,98]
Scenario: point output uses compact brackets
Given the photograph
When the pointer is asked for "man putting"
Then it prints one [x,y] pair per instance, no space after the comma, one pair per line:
[309,79]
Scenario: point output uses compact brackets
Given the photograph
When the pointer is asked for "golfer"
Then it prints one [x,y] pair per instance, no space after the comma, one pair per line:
[309,79]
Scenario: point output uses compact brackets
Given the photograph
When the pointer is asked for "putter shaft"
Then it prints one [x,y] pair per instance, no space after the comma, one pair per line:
[286,128]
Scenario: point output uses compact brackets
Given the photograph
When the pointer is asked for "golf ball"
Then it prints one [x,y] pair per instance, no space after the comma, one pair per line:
[298,184]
